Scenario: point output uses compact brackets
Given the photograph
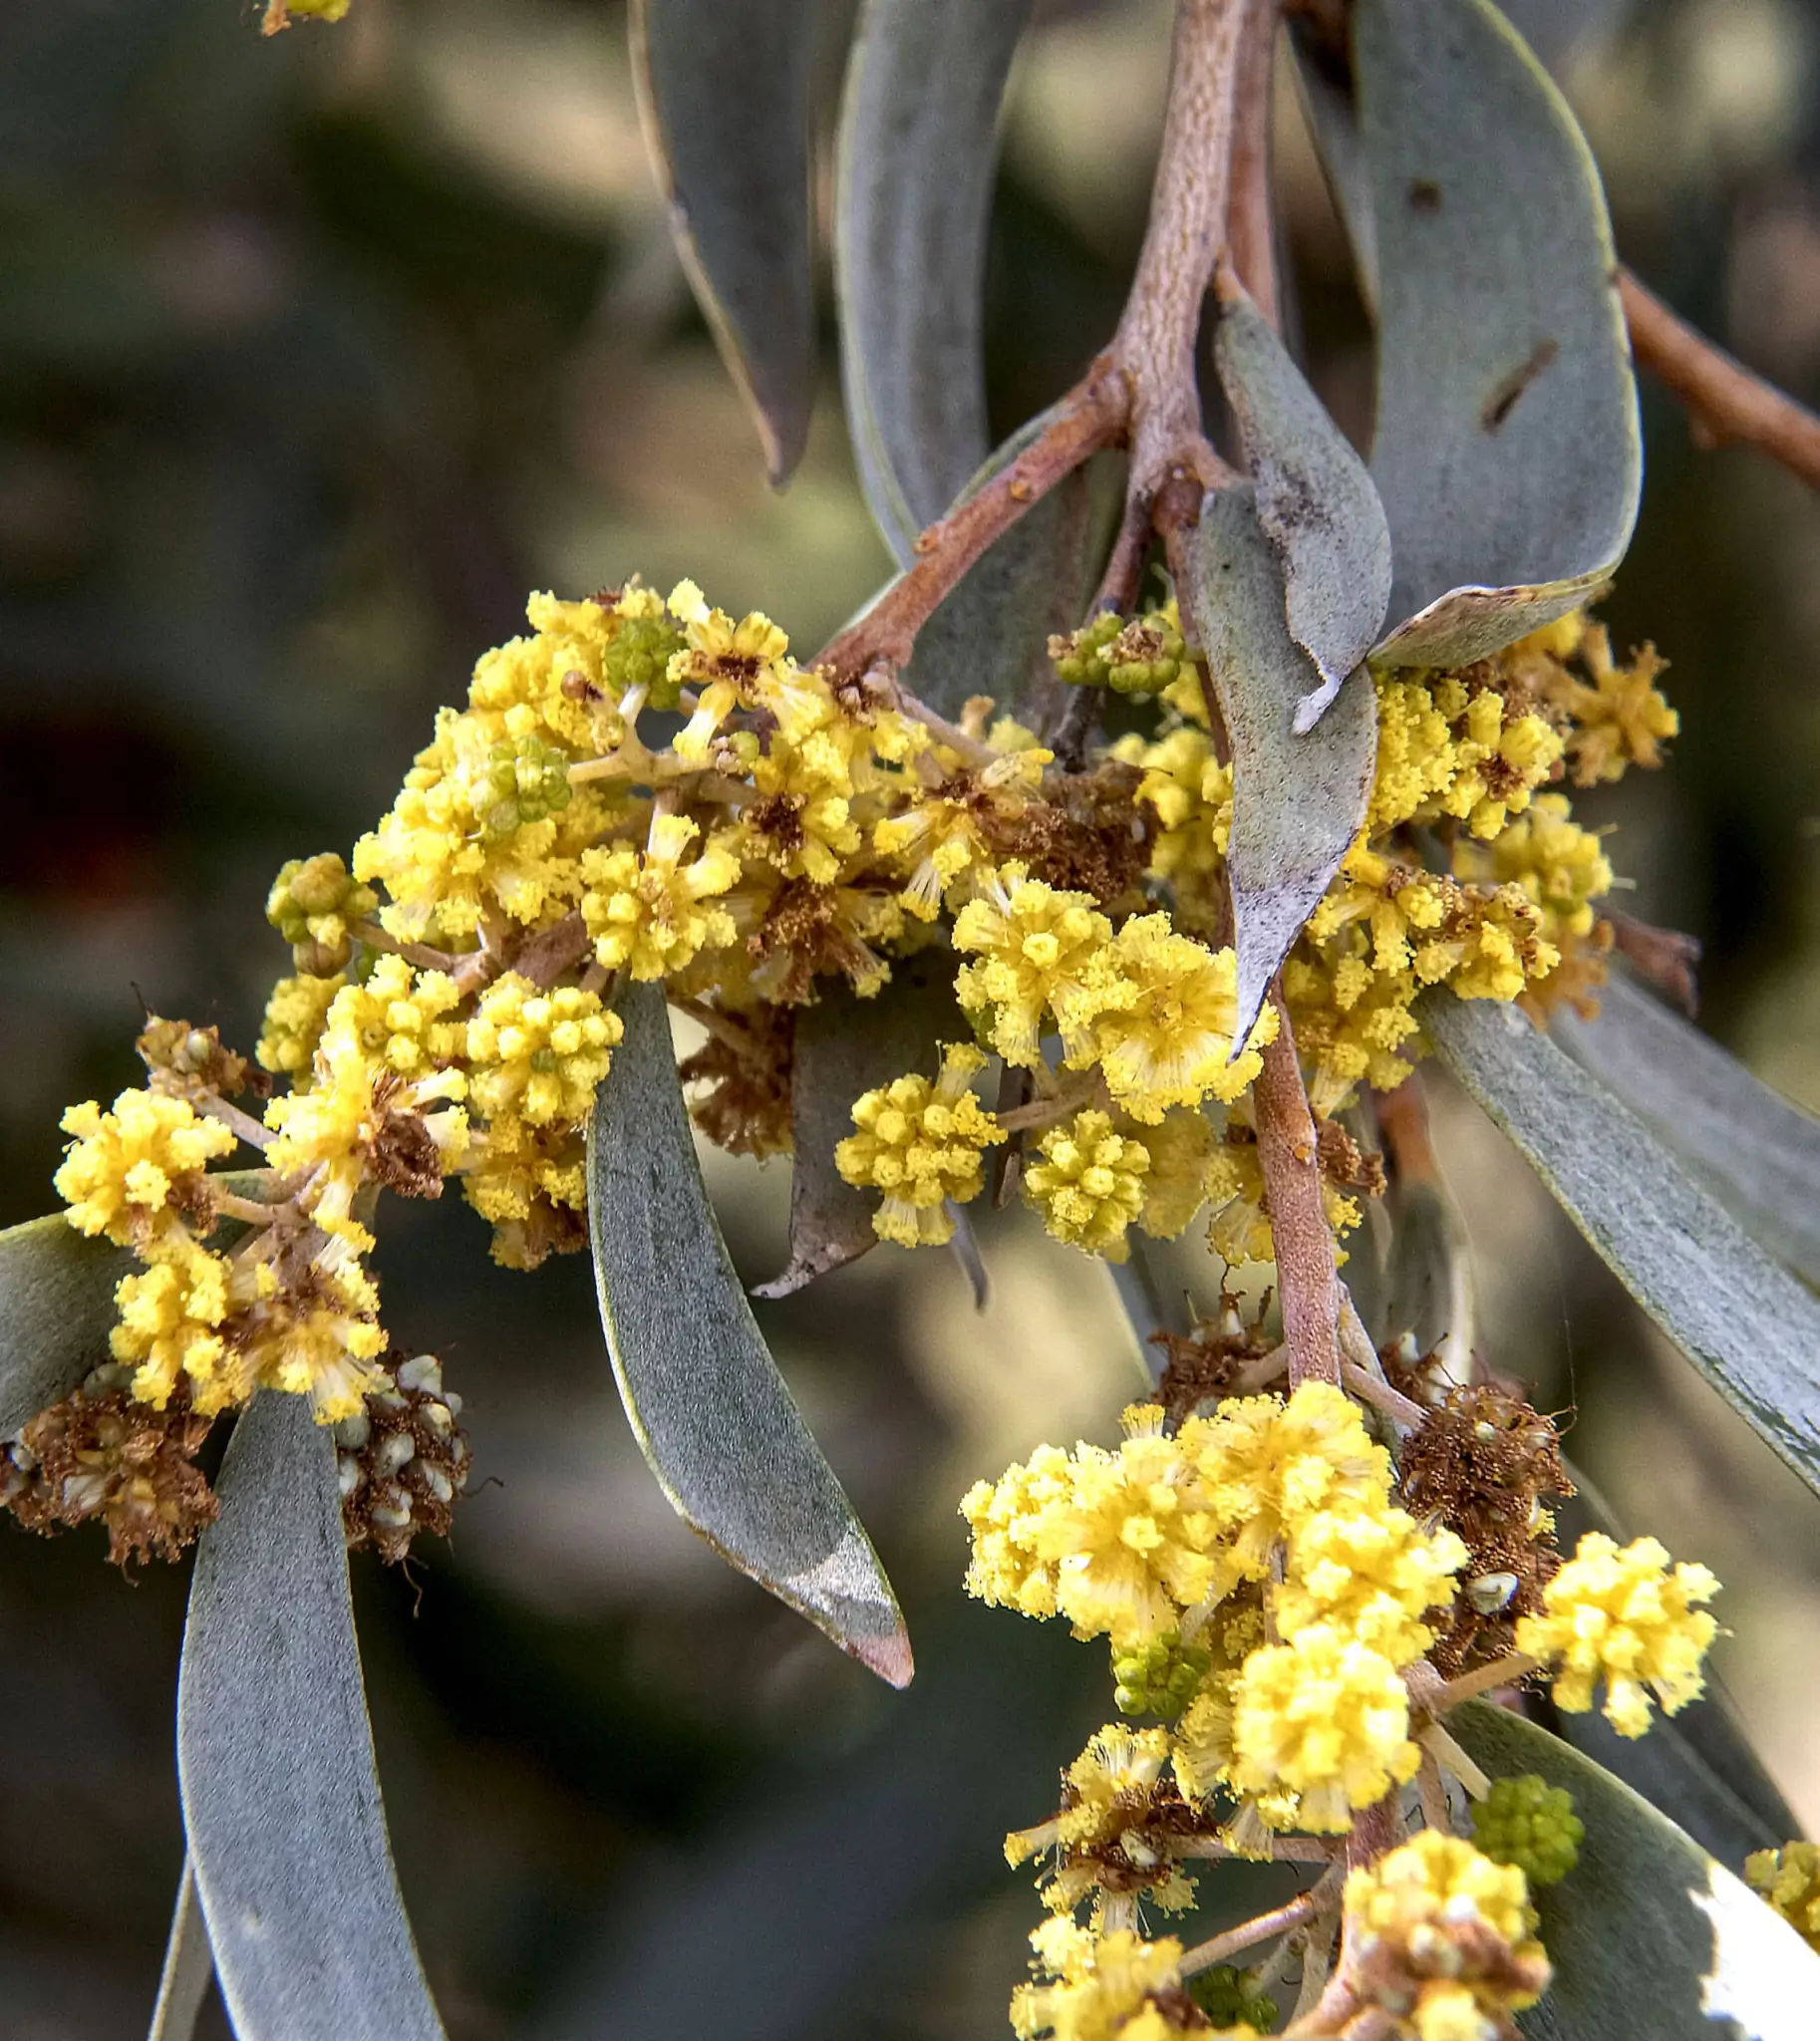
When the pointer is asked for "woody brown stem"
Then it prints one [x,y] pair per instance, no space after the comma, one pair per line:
[1292,1183]
[1249,1933]
[1723,398]
[1251,232]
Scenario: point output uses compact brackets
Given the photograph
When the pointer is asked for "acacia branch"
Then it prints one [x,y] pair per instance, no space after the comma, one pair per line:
[1317,1899]
[1298,1224]
[1723,398]
[1251,232]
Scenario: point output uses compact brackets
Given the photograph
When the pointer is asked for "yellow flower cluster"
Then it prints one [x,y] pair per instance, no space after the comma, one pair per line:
[1620,1615]
[119,1172]
[1292,1497]
[921,1144]
[1104,1986]
[1789,1881]
[1439,1937]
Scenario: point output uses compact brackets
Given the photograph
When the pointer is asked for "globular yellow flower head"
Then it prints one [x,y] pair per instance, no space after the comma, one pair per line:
[1447,751]
[568,682]
[1002,1517]
[1191,792]
[1105,1986]
[920,1143]
[1105,1826]
[1621,719]
[1352,1026]
[1320,1728]
[1370,1573]
[802,822]
[650,912]
[1036,952]
[540,1055]
[727,665]
[1789,1881]
[943,835]
[118,1174]
[1269,1467]
[1438,1936]
[1558,864]
[531,1185]
[1181,1147]
[1622,1615]
[1167,1039]
[170,1316]
[1395,903]
[395,1019]
[1089,1184]
[294,1018]
[442,853]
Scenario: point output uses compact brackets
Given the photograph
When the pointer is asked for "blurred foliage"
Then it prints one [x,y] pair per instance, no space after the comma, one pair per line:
[317,352]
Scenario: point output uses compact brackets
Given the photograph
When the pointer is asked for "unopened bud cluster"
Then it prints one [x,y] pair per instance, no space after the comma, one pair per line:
[1159,1677]
[1531,1824]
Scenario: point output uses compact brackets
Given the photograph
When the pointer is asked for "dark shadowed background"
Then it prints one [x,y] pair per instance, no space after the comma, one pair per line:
[315,355]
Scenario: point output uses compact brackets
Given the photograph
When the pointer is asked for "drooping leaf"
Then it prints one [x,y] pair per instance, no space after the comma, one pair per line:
[1557,31]
[707,1404]
[1316,500]
[56,1311]
[1297,801]
[281,1804]
[989,635]
[1742,1319]
[1326,88]
[1754,1151]
[913,193]
[1507,452]
[846,1045]
[725,88]
[189,1966]
[1647,1935]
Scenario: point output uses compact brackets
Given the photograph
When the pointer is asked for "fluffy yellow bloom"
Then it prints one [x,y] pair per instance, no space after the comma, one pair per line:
[1320,1727]
[436,856]
[1370,1574]
[1490,947]
[170,1316]
[1191,792]
[1238,1231]
[1558,864]
[729,666]
[294,1018]
[1036,950]
[116,1175]
[1620,1615]
[540,1055]
[1108,1797]
[349,1123]
[1201,1749]
[316,1336]
[943,833]
[1168,1038]
[1268,1467]
[1108,1987]
[1396,902]
[395,1019]
[567,679]
[920,1144]
[1438,1934]
[1445,751]
[1006,1570]
[648,911]
[1352,1026]
[1181,1146]
[1621,719]
[802,822]
[1789,1881]
[1089,1184]
[531,1185]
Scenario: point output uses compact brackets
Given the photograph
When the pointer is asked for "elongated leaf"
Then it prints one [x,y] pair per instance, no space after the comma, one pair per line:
[56,1311]
[1326,88]
[724,91]
[1649,1935]
[709,1408]
[1316,500]
[287,1831]
[1744,1321]
[846,1046]
[1507,450]
[189,1966]
[1757,1154]
[1297,801]
[913,193]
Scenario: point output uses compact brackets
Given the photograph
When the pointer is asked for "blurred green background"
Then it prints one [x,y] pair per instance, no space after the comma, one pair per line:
[315,355]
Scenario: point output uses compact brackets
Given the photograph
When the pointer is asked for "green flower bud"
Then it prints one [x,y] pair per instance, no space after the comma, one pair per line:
[640,656]
[1531,1824]
[527,781]
[1226,1995]
[1134,655]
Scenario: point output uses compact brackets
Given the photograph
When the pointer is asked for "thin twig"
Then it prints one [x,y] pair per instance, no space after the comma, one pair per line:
[1252,231]
[1092,415]
[1723,398]
[1374,1390]
[1250,1932]
[1298,1224]
[1283,1849]
[1504,1671]
[214,1107]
